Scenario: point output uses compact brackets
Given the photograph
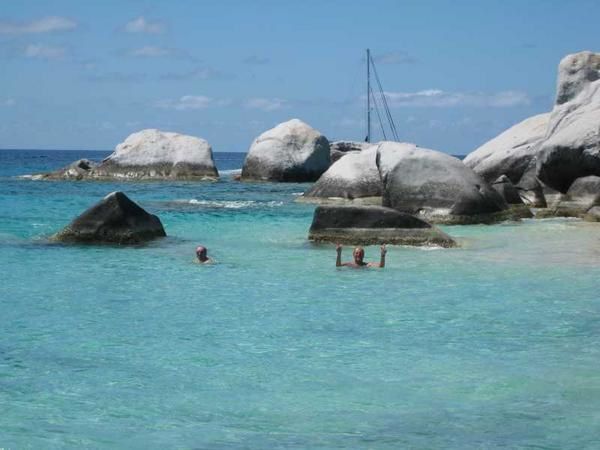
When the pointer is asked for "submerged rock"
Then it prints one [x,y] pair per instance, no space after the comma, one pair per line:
[147,155]
[511,152]
[571,148]
[436,186]
[343,148]
[366,225]
[353,177]
[115,219]
[291,152]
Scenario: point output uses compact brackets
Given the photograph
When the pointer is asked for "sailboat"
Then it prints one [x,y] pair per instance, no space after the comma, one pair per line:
[373,104]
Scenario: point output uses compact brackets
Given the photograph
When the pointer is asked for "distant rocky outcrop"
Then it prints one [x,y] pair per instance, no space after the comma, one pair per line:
[366,225]
[436,186]
[291,152]
[147,155]
[352,178]
[115,219]
[571,148]
[342,148]
[77,170]
[511,152]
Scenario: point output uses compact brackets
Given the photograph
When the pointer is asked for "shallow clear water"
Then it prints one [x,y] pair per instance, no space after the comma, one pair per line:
[492,345]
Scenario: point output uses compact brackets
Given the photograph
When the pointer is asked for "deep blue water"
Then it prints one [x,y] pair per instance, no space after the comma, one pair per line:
[492,345]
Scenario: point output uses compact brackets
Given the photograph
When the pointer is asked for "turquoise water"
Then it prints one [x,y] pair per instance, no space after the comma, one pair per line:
[492,345]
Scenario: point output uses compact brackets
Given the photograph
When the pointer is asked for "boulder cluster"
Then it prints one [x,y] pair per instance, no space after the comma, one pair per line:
[387,191]
[553,159]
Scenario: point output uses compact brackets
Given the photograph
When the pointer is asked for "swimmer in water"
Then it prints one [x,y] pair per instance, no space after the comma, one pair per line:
[201,254]
[359,254]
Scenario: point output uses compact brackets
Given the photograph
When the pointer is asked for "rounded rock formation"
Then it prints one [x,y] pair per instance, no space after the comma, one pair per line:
[154,154]
[436,186]
[291,152]
[353,177]
[147,155]
[115,219]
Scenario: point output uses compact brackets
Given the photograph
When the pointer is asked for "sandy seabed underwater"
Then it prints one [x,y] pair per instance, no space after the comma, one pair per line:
[492,345]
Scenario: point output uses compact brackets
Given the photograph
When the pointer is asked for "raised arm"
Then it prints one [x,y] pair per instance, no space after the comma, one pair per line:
[382,259]
[338,261]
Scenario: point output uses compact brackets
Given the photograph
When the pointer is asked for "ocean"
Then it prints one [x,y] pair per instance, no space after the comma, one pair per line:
[495,344]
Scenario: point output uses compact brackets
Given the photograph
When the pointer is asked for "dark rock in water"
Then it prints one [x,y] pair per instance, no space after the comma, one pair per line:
[343,148]
[354,177]
[436,186]
[507,190]
[75,171]
[291,152]
[571,148]
[115,219]
[368,225]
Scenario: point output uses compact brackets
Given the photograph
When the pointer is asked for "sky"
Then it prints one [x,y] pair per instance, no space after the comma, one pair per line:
[85,74]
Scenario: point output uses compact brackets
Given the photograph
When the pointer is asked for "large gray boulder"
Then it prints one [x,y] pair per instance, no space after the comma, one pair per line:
[291,152]
[436,186]
[511,152]
[353,177]
[115,219]
[154,154]
[147,155]
[571,148]
[366,225]
[342,148]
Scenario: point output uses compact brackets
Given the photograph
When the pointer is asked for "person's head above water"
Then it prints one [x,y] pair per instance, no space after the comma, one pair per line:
[201,253]
[359,255]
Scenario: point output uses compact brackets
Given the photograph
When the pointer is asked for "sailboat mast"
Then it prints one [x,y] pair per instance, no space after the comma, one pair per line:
[368,139]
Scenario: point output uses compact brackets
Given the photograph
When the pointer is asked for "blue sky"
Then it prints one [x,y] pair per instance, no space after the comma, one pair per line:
[85,74]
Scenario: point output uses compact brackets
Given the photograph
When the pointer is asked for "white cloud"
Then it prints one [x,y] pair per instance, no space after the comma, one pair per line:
[41,51]
[186,102]
[265,104]
[150,52]
[44,25]
[141,25]
[437,98]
